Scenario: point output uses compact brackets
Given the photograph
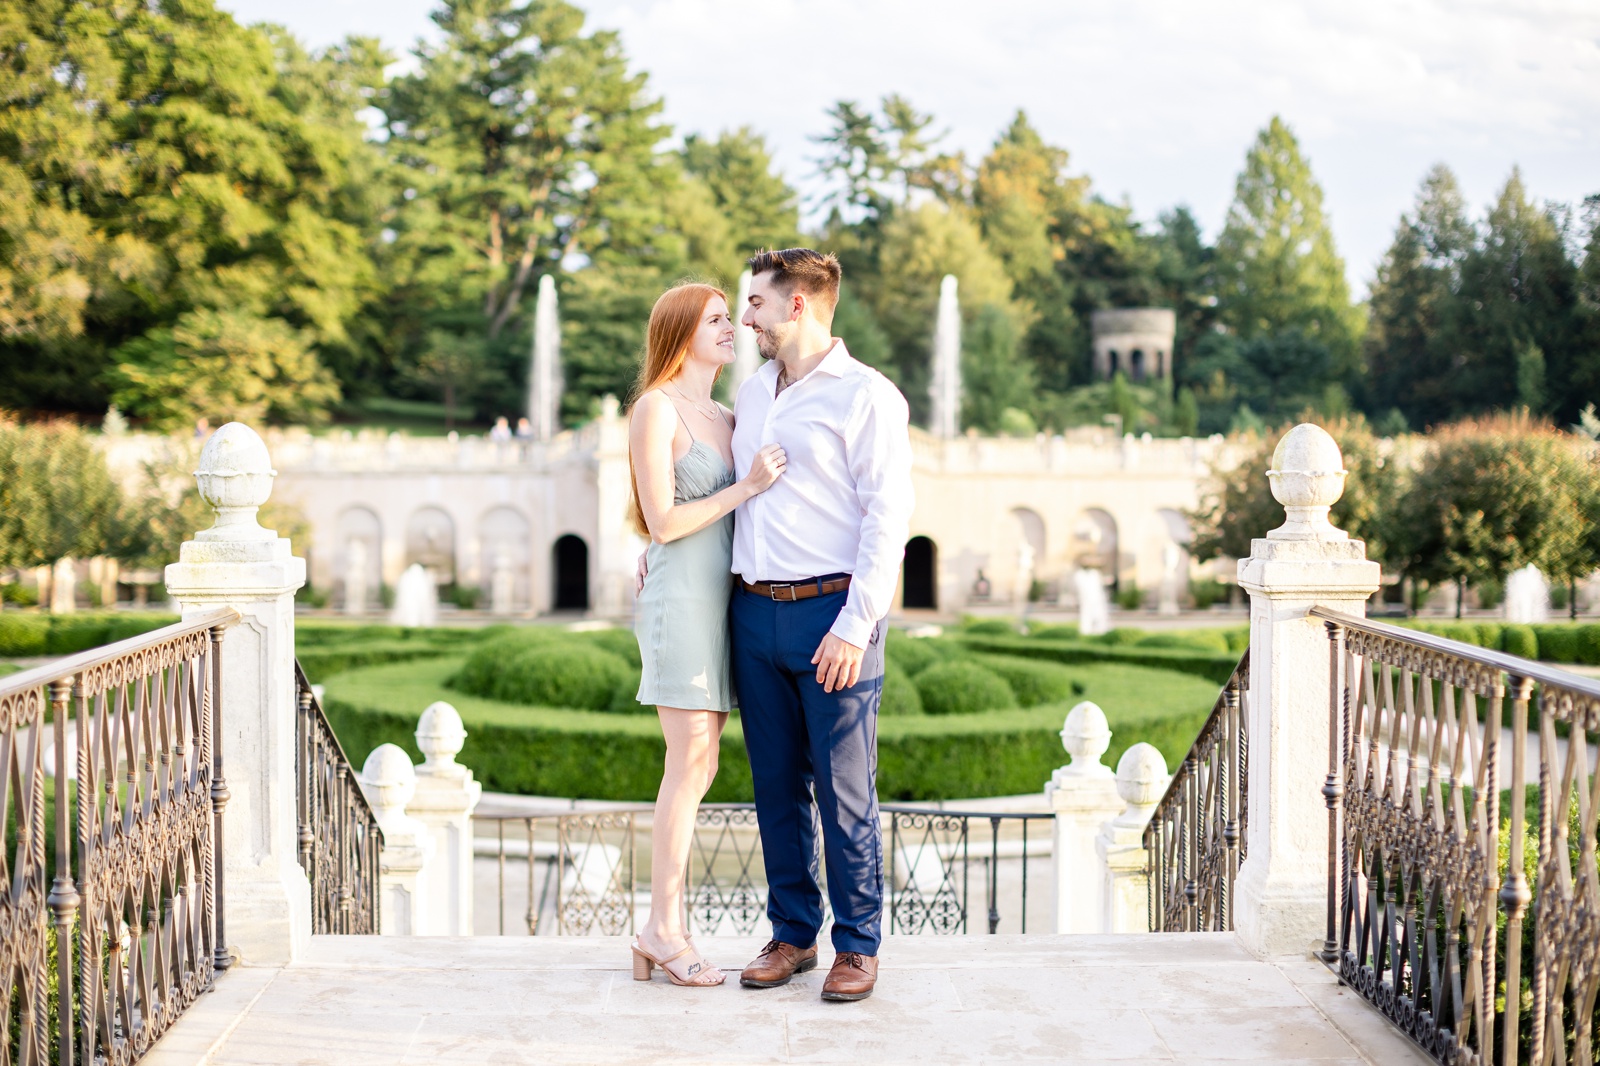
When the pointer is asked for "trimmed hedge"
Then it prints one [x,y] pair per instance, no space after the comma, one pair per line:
[1555,642]
[1212,666]
[915,654]
[1032,680]
[900,696]
[594,755]
[991,627]
[541,672]
[32,633]
[963,687]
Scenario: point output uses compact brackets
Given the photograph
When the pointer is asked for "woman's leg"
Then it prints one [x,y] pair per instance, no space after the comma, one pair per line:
[693,738]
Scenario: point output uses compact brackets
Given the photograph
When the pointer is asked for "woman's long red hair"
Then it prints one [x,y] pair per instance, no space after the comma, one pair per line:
[673,321]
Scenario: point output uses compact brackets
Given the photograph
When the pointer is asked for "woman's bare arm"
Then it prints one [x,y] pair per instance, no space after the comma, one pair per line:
[651,429]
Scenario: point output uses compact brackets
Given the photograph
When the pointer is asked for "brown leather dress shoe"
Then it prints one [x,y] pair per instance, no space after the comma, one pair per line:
[777,963]
[851,978]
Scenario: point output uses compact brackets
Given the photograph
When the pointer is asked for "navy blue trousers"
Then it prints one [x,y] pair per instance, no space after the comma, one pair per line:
[814,760]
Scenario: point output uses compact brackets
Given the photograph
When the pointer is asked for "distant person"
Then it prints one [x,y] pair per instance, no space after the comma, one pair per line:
[524,429]
[817,559]
[680,452]
[500,432]
[202,428]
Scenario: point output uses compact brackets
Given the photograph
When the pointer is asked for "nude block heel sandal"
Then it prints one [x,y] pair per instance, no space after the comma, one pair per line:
[644,962]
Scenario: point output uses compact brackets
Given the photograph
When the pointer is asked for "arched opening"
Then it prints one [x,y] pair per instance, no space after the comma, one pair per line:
[1095,547]
[1136,369]
[431,541]
[919,583]
[359,558]
[572,573]
[1111,363]
[503,548]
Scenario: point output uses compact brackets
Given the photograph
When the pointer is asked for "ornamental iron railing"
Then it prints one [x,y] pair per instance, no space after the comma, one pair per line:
[1464,888]
[1196,837]
[579,870]
[112,757]
[341,845]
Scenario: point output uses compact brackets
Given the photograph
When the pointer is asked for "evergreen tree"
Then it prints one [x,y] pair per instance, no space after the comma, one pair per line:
[1408,368]
[1276,265]
[759,208]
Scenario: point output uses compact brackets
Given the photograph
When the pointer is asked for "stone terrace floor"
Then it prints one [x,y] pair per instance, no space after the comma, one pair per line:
[1194,998]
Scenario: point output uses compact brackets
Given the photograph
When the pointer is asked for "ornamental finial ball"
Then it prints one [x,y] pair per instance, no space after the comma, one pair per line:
[440,736]
[389,780]
[1307,477]
[1086,735]
[235,477]
[1141,776]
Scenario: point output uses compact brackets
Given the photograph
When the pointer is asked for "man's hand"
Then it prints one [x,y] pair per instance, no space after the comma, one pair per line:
[838,663]
[639,575]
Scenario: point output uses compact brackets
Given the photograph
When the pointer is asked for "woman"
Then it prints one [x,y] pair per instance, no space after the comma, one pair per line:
[680,446]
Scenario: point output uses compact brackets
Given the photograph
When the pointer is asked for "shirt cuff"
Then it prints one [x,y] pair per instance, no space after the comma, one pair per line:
[853,630]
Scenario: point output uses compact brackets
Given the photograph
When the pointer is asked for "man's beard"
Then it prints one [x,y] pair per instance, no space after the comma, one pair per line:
[767,345]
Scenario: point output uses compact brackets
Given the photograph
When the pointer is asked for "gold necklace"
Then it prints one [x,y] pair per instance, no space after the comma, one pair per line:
[700,409]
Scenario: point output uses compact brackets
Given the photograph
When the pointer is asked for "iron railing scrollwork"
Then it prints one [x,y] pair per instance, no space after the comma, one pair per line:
[581,870]
[114,931]
[1474,931]
[1196,837]
[340,843]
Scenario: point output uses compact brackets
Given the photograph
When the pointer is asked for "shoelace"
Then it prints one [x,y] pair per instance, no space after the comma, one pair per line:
[852,958]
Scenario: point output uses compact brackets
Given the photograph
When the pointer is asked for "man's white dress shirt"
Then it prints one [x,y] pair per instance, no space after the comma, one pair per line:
[843,504]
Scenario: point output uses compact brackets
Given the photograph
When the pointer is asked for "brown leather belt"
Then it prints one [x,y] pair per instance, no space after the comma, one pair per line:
[789,591]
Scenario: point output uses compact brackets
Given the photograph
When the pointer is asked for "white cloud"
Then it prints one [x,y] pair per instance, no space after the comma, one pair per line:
[1156,99]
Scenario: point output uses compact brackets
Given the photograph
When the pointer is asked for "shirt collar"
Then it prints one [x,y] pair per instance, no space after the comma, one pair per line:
[837,361]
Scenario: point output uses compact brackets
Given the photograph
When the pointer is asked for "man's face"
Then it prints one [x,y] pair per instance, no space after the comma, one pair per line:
[771,314]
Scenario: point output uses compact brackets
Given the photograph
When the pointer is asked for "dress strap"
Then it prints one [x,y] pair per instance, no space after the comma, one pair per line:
[692,438]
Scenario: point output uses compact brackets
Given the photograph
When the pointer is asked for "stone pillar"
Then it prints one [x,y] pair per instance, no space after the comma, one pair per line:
[614,555]
[238,564]
[1124,864]
[64,587]
[1280,903]
[445,798]
[388,781]
[1083,794]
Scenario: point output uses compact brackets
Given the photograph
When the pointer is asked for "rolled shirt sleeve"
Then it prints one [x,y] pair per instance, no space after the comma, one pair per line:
[878,449]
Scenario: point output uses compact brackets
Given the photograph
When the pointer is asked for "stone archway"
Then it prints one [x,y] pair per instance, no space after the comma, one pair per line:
[358,558]
[919,575]
[503,554]
[431,541]
[1094,544]
[570,558]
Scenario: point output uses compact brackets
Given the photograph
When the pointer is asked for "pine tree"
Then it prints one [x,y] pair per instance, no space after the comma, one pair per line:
[1276,265]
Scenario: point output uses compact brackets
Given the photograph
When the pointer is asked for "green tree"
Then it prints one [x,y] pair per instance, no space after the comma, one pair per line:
[761,209]
[995,376]
[57,498]
[1276,265]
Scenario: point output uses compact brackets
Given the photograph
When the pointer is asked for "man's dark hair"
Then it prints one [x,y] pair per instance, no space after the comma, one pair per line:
[803,270]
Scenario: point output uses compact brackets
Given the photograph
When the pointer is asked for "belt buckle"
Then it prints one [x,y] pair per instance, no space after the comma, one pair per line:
[788,587]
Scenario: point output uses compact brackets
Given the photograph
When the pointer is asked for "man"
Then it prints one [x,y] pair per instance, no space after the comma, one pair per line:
[817,557]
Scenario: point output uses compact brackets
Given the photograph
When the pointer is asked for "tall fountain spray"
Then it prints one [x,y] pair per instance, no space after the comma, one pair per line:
[544,371]
[1527,596]
[746,359]
[946,388]
[416,598]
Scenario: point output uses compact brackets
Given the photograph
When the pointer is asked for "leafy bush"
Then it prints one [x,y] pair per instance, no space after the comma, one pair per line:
[65,634]
[900,696]
[545,673]
[320,663]
[1054,632]
[21,595]
[915,654]
[1519,640]
[1120,635]
[1589,645]
[1203,639]
[1557,643]
[963,687]
[622,643]
[1212,666]
[1130,597]
[23,634]
[993,627]
[1033,682]
[1207,592]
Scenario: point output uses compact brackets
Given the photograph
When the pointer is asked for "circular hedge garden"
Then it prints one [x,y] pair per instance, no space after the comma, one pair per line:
[549,711]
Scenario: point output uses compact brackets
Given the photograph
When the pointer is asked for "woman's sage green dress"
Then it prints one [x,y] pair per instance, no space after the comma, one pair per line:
[681,615]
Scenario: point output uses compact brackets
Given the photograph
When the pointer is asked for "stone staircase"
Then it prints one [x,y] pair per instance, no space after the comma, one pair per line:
[1195,998]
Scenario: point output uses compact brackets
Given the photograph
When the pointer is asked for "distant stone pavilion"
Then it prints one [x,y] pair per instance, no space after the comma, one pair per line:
[1134,340]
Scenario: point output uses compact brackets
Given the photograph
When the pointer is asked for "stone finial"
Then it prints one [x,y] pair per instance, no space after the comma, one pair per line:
[235,477]
[1307,477]
[1086,735]
[440,736]
[389,781]
[1141,780]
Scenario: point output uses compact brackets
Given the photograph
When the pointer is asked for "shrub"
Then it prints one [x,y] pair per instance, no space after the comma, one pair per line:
[1130,597]
[1589,644]
[1238,639]
[544,672]
[913,655]
[1207,592]
[992,627]
[21,595]
[1204,639]
[963,687]
[900,696]
[1519,640]
[1490,635]
[1120,635]
[1054,632]
[23,634]
[1557,643]
[320,663]
[622,643]
[1212,666]
[1033,681]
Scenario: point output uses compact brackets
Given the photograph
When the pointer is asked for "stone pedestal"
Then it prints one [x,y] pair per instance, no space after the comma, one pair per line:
[388,781]
[1124,864]
[64,587]
[238,564]
[445,797]
[1280,897]
[1083,794]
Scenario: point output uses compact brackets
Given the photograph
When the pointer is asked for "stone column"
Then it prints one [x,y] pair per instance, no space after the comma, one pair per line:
[1124,864]
[1083,794]
[444,800]
[389,781]
[64,587]
[1280,903]
[238,564]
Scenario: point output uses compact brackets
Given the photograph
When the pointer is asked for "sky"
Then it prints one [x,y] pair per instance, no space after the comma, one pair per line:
[1156,100]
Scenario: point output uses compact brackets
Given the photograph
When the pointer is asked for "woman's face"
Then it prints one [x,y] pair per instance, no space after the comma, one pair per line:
[712,342]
